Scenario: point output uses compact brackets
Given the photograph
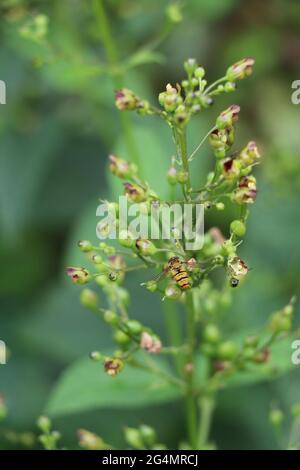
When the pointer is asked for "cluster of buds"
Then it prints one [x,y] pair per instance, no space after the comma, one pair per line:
[245,193]
[121,168]
[221,140]
[171,98]
[281,321]
[126,99]
[142,437]
[150,343]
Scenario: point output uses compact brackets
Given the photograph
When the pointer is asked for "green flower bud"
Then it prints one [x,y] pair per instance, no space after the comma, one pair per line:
[240,70]
[237,227]
[280,323]
[89,298]
[150,285]
[220,206]
[181,116]
[121,338]
[78,275]
[185,83]
[228,248]
[146,247]
[111,317]
[182,177]
[229,87]
[199,72]
[251,341]
[228,117]
[90,441]
[123,296]
[126,239]
[227,350]
[190,66]
[276,417]
[173,292]
[148,435]
[96,356]
[134,327]
[85,246]
[44,424]
[211,334]
[135,193]
[173,13]
[126,100]
[133,437]
[102,280]
[172,175]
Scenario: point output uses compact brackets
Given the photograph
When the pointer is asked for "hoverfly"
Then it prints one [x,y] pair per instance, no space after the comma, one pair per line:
[237,270]
[177,269]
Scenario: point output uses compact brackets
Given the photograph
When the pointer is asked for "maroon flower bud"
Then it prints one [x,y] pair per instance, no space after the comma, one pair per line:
[78,275]
[150,343]
[126,99]
[249,154]
[113,366]
[246,191]
[240,70]
[135,193]
[230,168]
[228,117]
[121,168]
[221,140]
[262,356]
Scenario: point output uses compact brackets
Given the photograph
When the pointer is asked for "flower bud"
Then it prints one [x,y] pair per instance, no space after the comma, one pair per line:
[173,13]
[231,168]
[246,190]
[172,175]
[134,327]
[249,154]
[44,424]
[135,193]
[133,438]
[199,72]
[113,366]
[148,435]
[182,177]
[126,239]
[89,298]
[96,356]
[121,338]
[211,334]
[102,280]
[170,99]
[172,292]
[221,140]
[220,206]
[78,275]
[145,247]
[262,356]
[227,350]
[150,285]
[150,343]
[126,99]
[85,246]
[237,227]
[240,70]
[276,417]
[90,441]
[228,117]
[121,168]
[228,248]
[280,323]
[190,66]
[229,87]
[111,317]
[181,116]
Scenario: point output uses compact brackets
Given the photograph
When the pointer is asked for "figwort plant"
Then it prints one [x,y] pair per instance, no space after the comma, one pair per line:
[205,360]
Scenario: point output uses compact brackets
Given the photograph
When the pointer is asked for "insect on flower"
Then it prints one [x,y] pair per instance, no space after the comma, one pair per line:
[237,269]
[177,269]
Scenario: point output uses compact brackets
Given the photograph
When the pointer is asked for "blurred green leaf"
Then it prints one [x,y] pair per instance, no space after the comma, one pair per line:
[85,386]
[145,56]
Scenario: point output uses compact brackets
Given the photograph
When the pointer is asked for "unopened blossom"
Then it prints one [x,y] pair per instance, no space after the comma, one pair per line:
[125,99]
[240,70]
[135,193]
[170,98]
[228,117]
[90,441]
[221,140]
[121,168]
[146,247]
[246,191]
[113,366]
[150,343]
[230,168]
[78,275]
[249,154]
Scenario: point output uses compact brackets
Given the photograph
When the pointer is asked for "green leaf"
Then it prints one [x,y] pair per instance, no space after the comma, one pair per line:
[84,386]
[145,57]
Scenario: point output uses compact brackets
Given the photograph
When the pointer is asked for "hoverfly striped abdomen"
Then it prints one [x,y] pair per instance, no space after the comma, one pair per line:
[178,272]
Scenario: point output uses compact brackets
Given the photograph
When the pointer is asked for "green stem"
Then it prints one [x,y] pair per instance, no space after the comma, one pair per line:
[191,409]
[173,332]
[206,406]
[217,82]
[181,139]
[117,75]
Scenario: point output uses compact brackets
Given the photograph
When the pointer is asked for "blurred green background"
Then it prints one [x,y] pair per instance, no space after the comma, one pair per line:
[56,130]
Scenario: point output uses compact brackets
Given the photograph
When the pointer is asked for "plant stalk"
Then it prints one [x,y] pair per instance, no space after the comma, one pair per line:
[191,408]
